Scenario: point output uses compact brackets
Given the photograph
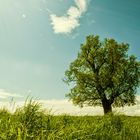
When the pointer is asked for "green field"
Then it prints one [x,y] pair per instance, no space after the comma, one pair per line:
[32,123]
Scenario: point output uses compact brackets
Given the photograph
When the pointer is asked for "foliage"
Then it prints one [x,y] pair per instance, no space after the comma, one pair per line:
[32,123]
[103,74]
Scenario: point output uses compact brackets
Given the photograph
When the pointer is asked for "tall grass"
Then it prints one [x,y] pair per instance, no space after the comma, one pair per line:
[31,122]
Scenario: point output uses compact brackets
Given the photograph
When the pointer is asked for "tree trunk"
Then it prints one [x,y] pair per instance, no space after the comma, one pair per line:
[106,106]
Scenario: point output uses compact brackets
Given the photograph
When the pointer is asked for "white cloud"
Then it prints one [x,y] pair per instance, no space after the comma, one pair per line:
[68,22]
[82,5]
[64,24]
[4,94]
[65,107]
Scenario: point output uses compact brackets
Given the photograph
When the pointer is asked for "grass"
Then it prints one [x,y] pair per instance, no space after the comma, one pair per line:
[31,122]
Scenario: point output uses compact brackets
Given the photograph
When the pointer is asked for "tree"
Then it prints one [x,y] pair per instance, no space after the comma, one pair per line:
[103,74]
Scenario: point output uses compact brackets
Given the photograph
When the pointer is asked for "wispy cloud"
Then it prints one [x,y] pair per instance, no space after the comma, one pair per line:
[4,94]
[67,23]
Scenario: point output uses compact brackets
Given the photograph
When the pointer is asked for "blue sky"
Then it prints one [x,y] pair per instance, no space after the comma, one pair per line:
[39,39]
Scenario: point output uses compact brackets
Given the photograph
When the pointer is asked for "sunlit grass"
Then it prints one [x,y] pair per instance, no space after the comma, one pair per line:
[31,122]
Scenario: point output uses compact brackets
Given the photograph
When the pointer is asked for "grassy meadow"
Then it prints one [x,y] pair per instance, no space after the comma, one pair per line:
[31,122]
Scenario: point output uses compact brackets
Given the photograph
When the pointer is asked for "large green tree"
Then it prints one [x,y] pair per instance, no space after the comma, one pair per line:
[103,74]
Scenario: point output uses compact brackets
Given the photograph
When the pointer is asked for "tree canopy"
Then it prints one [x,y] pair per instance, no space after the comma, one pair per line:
[103,74]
